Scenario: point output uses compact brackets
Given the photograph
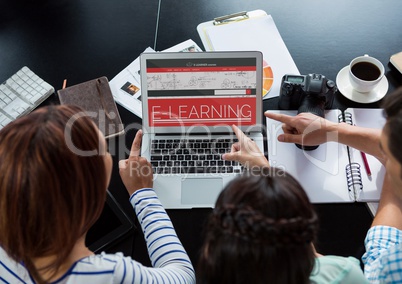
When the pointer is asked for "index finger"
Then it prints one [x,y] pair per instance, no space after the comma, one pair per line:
[238,132]
[136,146]
[279,117]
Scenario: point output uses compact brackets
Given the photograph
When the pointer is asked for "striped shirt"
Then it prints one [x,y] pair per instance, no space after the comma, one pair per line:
[383,257]
[170,261]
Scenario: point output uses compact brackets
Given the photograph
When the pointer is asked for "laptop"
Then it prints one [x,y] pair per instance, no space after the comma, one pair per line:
[189,102]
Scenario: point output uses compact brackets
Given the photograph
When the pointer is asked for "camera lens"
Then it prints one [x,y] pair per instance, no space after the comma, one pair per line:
[306,148]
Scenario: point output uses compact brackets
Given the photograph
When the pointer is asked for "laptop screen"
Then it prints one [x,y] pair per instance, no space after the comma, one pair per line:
[205,89]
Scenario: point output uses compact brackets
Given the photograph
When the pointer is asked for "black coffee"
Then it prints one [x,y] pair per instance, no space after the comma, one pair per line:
[366,71]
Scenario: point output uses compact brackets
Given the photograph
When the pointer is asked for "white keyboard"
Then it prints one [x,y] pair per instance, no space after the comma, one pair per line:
[20,94]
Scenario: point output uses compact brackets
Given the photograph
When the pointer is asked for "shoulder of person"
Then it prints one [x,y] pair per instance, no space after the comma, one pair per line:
[337,269]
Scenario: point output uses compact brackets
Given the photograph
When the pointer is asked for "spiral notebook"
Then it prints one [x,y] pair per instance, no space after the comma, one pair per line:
[333,172]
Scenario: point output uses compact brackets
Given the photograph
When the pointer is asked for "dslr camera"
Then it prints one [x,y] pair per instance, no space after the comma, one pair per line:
[307,93]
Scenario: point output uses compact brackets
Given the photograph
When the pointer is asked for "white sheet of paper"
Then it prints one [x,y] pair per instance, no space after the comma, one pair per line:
[321,172]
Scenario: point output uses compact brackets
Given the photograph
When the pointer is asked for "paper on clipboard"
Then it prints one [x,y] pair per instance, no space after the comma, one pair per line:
[255,31]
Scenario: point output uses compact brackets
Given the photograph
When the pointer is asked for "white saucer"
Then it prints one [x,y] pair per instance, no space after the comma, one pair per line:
[343,83]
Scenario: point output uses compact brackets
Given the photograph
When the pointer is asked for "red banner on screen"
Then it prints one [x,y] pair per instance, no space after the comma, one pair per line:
[201,111]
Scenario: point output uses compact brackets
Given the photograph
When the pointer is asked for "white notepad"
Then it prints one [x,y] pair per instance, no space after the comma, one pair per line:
[333,172]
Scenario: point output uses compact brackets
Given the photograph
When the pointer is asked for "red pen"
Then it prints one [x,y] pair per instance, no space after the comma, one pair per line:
[366,165]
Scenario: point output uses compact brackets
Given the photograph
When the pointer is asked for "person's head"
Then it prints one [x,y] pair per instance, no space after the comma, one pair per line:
[391,137]
[51,193]
[260,231]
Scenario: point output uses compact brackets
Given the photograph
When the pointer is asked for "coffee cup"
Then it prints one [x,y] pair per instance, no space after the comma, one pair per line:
[365,72]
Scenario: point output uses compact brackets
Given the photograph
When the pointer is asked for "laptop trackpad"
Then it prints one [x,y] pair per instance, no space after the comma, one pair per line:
[200,190]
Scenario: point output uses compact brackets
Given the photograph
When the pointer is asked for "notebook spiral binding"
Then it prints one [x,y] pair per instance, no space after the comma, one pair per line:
[345,117]
[354,177]
[348,118]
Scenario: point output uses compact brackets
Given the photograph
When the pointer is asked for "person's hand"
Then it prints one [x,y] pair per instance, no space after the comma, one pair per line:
[305,128]
[136,171]
[245,151]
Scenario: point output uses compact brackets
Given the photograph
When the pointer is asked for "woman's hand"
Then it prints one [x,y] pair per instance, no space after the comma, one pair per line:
[245,151]
[136,171]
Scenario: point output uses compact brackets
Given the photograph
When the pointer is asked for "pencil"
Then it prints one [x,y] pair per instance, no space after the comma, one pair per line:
[366,165]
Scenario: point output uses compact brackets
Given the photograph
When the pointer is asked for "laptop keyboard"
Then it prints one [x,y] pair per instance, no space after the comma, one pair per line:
[20,94]
[192,156]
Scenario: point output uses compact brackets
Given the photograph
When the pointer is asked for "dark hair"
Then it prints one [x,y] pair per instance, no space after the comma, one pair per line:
[259,232]
[392,105]
[49,194]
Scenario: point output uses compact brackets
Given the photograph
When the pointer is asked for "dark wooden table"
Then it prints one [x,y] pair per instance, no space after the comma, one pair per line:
[83,40]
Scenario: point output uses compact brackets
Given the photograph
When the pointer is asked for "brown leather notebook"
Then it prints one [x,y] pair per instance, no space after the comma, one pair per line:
[95,97]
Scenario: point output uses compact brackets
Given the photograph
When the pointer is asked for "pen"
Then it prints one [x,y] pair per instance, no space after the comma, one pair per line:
[366,165]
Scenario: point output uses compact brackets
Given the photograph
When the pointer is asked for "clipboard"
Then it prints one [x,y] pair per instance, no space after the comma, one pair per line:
[253,30]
